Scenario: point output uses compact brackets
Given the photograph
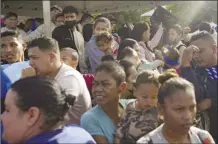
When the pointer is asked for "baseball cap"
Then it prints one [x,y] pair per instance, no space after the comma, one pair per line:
[56,7]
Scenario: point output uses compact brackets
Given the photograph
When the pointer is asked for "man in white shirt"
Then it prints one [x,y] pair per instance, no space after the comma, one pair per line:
[11,22]
[45,60]
[40,31]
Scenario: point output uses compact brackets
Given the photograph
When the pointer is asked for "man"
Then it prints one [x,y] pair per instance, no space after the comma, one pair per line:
[12,48]
[203,50]
[85,19]
[68,36]
[45,60]
[59,19]
[11,23]
[40,31]
[70,57]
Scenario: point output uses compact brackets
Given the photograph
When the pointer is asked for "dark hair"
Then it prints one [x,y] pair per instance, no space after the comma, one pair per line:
[74,53]
[203,35]
[85,16]
[104,36]
[59,15]
[10,14]
[9,33]
[125,31]
[114,69]
[87,31]
[138,31]
[45,94]
[110,17]
[126,52]
[170,84]
[205,26]
[107,57]
[177,28]
[70,9]
[147,76]
[104,20]
[127,65]
[125,43]
[44,43]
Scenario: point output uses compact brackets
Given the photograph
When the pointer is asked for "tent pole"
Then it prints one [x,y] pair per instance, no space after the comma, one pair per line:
[47,17]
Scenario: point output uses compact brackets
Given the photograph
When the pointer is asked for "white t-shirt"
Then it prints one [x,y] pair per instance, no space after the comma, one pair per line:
[73,82]
[197,136]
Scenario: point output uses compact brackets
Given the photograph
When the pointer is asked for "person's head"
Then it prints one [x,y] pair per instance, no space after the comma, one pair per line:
[101,24]
[109,83]
[146,89]
[176,102]
[59,19]
[141,32]
[175,34]
[107,57]
[86,19]
[112,20]
[10,20]
[104,40]
[34,105]
[131,74]
[207,56]
[70,15]
[171,57]
[55,9]
[129,54]
[44,55]
[205,26]
[12,47]
[70,57]
[28,24]
[128,43]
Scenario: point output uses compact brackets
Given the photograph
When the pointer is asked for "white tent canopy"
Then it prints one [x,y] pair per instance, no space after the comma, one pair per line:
[35,8]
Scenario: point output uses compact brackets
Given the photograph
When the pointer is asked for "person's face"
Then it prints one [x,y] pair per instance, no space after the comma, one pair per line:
[12,49]
[173,35]
[100,27]
[70,17]
[59,21]
[146,95]
[113,25]
[105,88]
[104,46]
[15,122]
[54,12]
[11,22]
[206,54]
[41,61]
[179,111]
[146,35]
[66,57]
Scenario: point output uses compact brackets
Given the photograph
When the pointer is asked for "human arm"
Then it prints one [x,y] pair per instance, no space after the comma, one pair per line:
[35,34]
[90,124]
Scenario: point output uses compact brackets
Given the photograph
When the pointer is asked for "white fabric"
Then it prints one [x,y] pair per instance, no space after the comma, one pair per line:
[73,82]
[39,32]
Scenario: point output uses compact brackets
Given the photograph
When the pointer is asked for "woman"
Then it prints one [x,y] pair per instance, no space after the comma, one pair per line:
[101,121]
[177,105]
[141,33]
[34,113]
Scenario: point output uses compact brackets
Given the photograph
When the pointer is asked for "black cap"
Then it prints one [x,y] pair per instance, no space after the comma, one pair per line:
[10,14]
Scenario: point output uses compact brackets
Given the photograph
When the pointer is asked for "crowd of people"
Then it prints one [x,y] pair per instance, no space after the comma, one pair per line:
[90,84]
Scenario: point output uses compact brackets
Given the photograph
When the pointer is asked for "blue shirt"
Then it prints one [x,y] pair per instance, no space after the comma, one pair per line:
[94,53]
[5,84]
[69,134]
[97,122]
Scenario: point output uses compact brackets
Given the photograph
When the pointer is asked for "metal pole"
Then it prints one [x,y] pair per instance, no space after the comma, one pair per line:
[47,17]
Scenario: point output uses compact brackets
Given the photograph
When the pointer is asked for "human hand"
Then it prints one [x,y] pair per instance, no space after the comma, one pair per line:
[28,72]
[204,105]
[186,30]
[188,55]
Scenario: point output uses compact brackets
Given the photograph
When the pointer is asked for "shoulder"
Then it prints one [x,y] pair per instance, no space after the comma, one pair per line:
[203,135]
[60,28]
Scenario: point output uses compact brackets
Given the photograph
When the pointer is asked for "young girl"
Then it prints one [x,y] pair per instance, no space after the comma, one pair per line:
[141,114]
[177,104]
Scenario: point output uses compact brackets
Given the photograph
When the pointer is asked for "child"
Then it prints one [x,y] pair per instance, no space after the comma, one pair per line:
[141,114]
[104,41]
[70,57]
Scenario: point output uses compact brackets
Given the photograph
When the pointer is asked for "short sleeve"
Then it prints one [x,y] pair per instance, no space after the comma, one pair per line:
[91,124]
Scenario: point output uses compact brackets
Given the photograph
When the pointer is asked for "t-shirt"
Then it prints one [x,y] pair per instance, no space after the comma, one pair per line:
[73,82]
[197,136]
[69,134]
[97,122]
